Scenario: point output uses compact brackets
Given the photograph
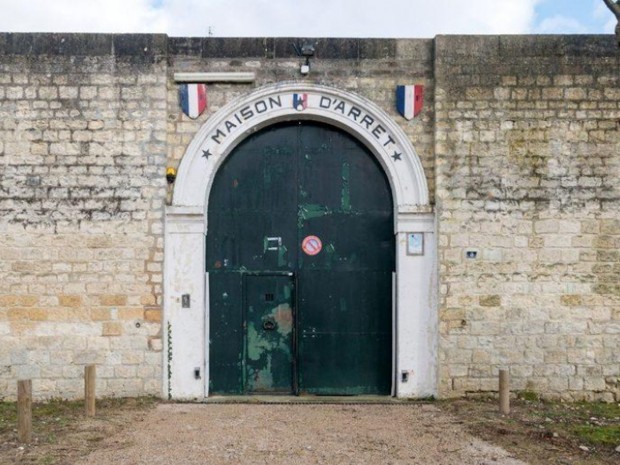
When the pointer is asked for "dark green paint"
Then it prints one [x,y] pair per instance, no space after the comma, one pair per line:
[356,335]
[289,181]
[226,331]
[345,198]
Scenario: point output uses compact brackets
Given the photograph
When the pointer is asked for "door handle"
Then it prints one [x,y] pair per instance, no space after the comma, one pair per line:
[273,243]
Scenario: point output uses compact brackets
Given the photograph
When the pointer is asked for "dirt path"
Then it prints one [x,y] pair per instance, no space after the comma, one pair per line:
[297,434]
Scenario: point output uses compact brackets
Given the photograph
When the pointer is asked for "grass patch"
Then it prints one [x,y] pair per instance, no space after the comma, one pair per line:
[8,416]
[47,460]
[62,431]
[57,413]
[594,423]
[528,395]
[599,435]
[599,423]
[542,432]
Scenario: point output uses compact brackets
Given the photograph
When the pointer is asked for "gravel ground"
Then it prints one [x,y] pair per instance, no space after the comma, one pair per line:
[219,434]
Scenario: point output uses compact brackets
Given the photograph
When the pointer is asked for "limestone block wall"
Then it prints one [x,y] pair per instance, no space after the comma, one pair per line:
[82,189]
[519,139]
[528,164]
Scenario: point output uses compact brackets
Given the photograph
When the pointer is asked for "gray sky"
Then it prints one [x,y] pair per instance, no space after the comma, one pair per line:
[308,18]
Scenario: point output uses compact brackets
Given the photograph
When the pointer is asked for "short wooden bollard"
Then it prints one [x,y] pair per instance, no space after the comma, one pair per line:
[89,389]
[24,410]
[504,392]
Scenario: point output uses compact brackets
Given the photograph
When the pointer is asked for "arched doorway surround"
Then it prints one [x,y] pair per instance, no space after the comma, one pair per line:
[186,332]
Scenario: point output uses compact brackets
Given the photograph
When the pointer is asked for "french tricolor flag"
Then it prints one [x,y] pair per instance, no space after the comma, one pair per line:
[300,101]
[193,99]
[409,100]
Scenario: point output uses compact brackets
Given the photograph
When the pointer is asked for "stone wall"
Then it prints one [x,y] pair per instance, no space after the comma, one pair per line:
[519,139]
[528,165]
[82,156]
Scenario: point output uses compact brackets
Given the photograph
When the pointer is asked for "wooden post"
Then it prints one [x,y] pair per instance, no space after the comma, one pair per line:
[24,410]
[504,392]
[89,389]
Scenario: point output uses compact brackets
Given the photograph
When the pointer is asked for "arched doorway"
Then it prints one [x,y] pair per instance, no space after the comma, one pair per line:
[300,258]
[187,285]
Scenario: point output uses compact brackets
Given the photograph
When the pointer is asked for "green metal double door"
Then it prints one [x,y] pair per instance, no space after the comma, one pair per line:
[300,256]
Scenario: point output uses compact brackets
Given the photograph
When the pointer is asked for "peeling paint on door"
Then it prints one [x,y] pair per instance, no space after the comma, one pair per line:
[283,316]
[309,211]
[269,335]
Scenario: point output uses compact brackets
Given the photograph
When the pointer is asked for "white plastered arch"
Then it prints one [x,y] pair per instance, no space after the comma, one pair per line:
[415,320]
[406,174]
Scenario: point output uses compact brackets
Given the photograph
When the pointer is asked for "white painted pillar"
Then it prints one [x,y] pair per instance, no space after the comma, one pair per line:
[184,326]
[416,312]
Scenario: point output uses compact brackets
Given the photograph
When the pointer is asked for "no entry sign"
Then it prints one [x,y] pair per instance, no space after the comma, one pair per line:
[311,245]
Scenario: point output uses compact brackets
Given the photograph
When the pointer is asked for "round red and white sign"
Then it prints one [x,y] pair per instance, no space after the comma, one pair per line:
[311,245]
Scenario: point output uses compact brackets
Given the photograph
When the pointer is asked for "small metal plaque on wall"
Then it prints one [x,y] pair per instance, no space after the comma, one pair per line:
[415,243]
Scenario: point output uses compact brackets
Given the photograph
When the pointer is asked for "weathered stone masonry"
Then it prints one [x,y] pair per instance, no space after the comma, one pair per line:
[527,162]
[519,139]
[82,146]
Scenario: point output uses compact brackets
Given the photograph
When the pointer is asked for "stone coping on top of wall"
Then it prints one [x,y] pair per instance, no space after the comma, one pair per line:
[150,47]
